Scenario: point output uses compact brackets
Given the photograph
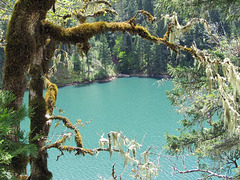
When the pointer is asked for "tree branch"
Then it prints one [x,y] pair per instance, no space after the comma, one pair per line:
[83,32]
[68,124]
[79,150]
[86,31]
[204,171]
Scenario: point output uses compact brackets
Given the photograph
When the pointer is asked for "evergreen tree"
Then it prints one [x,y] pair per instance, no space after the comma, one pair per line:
[10,149]
[105,53]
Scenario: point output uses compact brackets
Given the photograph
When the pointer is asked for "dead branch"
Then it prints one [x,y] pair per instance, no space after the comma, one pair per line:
[211,174]
[96,2]
[113,172]
[150,18]
[60,155]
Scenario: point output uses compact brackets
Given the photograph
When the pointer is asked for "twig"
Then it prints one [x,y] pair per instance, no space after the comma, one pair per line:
[60,155]
[113,172]
[202,170]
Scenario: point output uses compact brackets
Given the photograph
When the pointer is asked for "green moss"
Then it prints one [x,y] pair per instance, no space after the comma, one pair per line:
[37,116]
[78,139]
[50,97]
[36,101]
[83,32]
[18,51]
[24,40]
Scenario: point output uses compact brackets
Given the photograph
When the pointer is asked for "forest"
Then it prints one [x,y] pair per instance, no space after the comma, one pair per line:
[46,44]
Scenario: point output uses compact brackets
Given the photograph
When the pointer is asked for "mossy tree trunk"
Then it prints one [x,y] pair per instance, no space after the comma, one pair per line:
[25,44]
[37,104]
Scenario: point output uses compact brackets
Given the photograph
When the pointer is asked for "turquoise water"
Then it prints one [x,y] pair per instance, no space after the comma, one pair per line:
[135,106]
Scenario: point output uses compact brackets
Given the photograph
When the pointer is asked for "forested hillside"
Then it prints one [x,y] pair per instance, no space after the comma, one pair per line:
[122,53]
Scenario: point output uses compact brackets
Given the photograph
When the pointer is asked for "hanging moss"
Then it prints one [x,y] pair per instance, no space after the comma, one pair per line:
[50,97]
[59,145]
[132,21]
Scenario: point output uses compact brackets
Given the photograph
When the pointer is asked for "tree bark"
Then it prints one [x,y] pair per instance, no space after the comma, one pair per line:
[39,169]
[20,43]
[23,46]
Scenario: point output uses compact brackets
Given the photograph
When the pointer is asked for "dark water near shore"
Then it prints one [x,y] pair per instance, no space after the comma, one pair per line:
[135,106]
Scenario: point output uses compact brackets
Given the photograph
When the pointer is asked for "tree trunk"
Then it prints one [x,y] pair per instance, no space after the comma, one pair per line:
[88,68]
[37,104]
[23,46]
[20,43]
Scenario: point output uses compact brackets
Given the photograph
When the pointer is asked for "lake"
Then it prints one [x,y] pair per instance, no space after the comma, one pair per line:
[135,106]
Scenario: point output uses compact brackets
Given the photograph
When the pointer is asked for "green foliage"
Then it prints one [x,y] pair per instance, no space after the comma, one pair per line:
[194,8]
[104,54]
[9,148]
[101,74]
[228,48]
[6,7]
[207,129]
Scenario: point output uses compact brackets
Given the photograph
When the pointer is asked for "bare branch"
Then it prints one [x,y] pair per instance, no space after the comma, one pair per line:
[60,155]
[204,171]
[150,18]
[96,2]
[113,172]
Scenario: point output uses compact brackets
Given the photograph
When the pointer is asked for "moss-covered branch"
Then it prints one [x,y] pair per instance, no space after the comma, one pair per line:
[86,31]
[150,18]
[116,142]
[59,145]
[68,124]
[83,32]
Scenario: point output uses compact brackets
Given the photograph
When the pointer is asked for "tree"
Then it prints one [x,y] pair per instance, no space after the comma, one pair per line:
[105,54]
[207,95]
[207,129]
[30,43]
[10,149]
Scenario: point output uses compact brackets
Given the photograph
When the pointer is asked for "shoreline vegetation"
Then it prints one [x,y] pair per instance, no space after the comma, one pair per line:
[111,78]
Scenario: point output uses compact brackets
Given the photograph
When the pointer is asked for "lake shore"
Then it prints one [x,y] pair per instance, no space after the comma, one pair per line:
[111,78]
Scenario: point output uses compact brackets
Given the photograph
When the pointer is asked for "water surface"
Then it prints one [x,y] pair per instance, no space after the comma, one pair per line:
[135,106]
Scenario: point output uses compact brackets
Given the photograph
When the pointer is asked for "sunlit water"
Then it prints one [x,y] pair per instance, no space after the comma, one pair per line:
[135,106]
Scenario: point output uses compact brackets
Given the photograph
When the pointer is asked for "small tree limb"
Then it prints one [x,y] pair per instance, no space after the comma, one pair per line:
[204,171]
[68,124]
